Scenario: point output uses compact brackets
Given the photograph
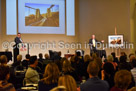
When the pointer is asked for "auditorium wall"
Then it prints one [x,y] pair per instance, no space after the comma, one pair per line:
[0,25]
[133,21]
[99,17]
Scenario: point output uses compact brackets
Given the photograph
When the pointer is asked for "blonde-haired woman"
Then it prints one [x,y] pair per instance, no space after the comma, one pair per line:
[18,62]
[67,69]
[110,60]
[68,82]
[50,79]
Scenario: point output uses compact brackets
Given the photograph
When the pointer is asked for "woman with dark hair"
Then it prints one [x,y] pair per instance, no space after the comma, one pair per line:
[115,59]
[50,80]
[4,76]
[123,64]
[25,62]
[108,73]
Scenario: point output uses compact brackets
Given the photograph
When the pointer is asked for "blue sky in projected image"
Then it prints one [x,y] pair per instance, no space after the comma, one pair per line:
[114,37]
[42,7]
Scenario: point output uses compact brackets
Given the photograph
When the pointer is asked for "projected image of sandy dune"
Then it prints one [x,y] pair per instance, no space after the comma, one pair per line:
[41,15]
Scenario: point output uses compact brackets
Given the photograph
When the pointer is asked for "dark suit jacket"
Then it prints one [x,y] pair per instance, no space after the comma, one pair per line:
[17,40]
[94,84]
[91,42]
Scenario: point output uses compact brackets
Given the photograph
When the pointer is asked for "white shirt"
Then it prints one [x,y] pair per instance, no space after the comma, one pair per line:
[93,42]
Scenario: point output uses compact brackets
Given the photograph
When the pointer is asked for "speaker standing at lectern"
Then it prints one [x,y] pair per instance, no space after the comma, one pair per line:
[17,40]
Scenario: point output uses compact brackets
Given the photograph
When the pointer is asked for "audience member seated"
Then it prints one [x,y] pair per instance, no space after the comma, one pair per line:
[67,69]
[40,57]
[59,53]
[3,60]
[108,73]
[94,83]
[78,66]
[123,54]
[94,56]
[98,60]
[122,80]
[4,76]
[32,76]
[87,59]
[50,79]
[18,62]
[57,59]
[25,62]
[46,56]
[39,67]
[110,59]
[68,82]
[47,59]
[133,71]
[131,57]
[115,59]
[40,63]
[123,64]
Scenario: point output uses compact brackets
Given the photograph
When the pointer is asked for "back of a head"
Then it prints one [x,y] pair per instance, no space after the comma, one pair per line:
[19,57]
[124,66]
[3,59]
[108,68]
[123,54]
[110,58]
[131,58]
[67,81]
[87,58]
[4,70]
[46,56]
[99,62]
[76,59]
[40,55]
[131,54]
[27,56]
[72,59]
[113,54]
[59,53]
[122,79]
[123,59]
[94,56]
[134,62]
[93,68]
[67,66]
[32,59]
[51,73]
